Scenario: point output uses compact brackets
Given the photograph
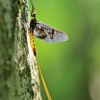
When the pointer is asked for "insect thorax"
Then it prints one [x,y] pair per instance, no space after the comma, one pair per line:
[33,23]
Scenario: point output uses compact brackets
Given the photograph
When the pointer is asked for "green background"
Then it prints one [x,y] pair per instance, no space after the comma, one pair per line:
[68,67]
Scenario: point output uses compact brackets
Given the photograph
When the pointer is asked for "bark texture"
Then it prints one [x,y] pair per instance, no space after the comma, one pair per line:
[18,67]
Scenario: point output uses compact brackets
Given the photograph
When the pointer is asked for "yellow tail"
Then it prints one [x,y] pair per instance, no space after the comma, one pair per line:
[44,84]
[34,50]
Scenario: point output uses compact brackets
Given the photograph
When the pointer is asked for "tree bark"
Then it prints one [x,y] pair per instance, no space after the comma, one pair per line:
[19,72]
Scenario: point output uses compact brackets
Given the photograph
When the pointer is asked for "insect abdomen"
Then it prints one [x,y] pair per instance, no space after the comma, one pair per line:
[32,41]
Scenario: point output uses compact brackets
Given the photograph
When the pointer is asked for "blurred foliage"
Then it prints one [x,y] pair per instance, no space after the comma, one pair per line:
[67,66]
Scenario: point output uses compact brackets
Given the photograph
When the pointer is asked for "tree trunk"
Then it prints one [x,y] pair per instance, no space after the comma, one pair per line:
[19,72]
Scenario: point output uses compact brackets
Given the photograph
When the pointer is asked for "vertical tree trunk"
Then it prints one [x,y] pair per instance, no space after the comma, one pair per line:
[19,73]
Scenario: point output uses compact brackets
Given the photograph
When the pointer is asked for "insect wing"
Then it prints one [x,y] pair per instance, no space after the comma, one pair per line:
[49,34]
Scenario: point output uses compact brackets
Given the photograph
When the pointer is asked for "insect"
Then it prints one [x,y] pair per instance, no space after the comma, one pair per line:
[47,34]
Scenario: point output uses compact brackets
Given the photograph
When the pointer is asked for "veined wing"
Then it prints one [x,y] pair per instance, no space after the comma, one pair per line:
[49,34]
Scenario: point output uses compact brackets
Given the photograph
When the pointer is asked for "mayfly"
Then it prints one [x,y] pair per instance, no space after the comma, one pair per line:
[47,34]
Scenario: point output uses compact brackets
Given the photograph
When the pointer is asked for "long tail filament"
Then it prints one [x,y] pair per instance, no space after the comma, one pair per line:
[34,50]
